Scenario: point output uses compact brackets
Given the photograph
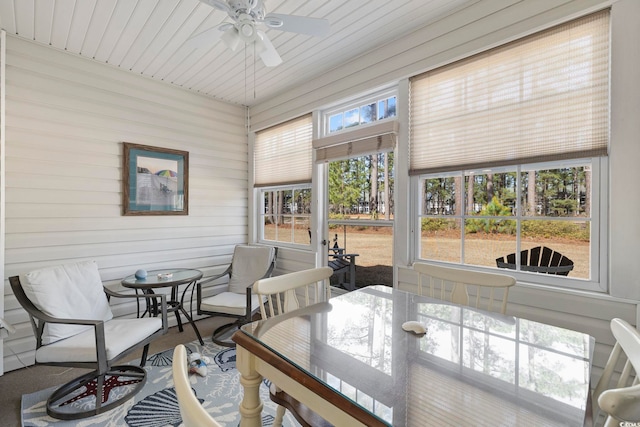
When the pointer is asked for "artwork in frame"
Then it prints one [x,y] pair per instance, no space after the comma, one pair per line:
[155,180]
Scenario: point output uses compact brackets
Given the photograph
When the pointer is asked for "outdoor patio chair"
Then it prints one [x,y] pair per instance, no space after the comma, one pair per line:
[237,300]
[74,326]
[490,291]
[342,264]
[280,295]
[191,410]
[540,259]
[619,399]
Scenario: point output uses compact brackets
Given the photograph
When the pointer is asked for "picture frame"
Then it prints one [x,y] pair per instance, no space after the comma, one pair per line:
[155,180]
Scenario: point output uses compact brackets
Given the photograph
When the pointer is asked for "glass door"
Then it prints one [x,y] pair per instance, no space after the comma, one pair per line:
[360,220]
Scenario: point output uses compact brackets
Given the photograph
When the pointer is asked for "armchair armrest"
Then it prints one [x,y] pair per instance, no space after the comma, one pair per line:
[216,277]
[162,297]
[204,282]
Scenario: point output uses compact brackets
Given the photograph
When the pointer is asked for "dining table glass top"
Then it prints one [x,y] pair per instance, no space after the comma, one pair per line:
[472,367]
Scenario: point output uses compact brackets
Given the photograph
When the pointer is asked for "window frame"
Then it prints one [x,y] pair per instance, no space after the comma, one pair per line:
[261,214]
[598,235]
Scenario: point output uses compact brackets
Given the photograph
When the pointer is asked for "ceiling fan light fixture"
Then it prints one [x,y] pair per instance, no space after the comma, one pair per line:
[259,44]
[247,30]
[231,38]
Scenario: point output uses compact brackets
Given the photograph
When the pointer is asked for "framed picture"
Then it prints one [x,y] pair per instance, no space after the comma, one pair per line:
[155,181]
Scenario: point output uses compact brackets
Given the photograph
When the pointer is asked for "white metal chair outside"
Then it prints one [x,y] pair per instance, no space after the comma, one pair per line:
[452,284]
[191,411]
[620,399]
[282,294]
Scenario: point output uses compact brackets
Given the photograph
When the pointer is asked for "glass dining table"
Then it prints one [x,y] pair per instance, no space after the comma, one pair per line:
[350,361]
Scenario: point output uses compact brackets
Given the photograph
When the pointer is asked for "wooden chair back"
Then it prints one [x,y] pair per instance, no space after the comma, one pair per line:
[283,293]
[540,259]
[191,410]
[489,291]
[619,398]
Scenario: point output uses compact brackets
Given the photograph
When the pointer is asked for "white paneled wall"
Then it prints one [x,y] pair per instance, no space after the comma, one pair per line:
[66,119]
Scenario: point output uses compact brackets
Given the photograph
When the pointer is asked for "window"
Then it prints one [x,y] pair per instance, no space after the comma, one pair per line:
[369,110]
[282,177]
[479,217]
[286,214]
[506,149]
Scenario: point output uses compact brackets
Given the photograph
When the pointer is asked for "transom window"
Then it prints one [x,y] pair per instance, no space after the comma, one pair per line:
[369,110]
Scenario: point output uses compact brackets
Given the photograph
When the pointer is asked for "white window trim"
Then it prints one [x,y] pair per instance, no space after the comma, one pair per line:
[598,243]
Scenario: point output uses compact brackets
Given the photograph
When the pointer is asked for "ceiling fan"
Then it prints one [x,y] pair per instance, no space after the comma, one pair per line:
[247,15]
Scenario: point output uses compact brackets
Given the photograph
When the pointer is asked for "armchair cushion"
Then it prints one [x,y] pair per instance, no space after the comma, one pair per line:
[250,263]
[119,335]
[230,303]
[70,291]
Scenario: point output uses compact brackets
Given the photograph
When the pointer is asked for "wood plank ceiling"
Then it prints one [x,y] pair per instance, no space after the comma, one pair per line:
[148,37]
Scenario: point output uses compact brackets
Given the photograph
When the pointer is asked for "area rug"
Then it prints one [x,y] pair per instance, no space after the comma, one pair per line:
[156,405]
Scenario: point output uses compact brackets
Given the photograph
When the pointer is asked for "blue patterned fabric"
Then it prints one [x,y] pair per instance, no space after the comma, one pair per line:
[220,392]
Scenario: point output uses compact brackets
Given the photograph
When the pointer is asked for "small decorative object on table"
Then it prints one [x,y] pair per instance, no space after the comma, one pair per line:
[141,274]
[414,327]
[165,276]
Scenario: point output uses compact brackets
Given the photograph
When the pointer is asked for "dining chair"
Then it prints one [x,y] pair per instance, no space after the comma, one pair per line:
[619,399]
[74,326]
[191,410]
[280,295]
[237,300]
[489,291]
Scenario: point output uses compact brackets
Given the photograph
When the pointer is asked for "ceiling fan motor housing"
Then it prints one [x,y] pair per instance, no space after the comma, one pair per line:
[253,8]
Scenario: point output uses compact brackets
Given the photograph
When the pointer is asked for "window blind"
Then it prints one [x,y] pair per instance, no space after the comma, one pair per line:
[544,97]
[370,139]
[282,153]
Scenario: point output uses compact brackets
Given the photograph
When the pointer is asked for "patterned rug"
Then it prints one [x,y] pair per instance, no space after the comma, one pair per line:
[156,405]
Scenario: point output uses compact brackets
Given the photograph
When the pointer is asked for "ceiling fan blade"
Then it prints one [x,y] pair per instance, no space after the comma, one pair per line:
[205,38]
[298,24]
[267,51]
[218,4]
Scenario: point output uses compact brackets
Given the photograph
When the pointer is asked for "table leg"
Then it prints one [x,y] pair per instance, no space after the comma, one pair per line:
[193,325]
[184,311]
[251,405]
[151,306]
[177,303]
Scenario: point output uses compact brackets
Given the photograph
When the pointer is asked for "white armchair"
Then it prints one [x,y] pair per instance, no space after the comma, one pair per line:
[73,324]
